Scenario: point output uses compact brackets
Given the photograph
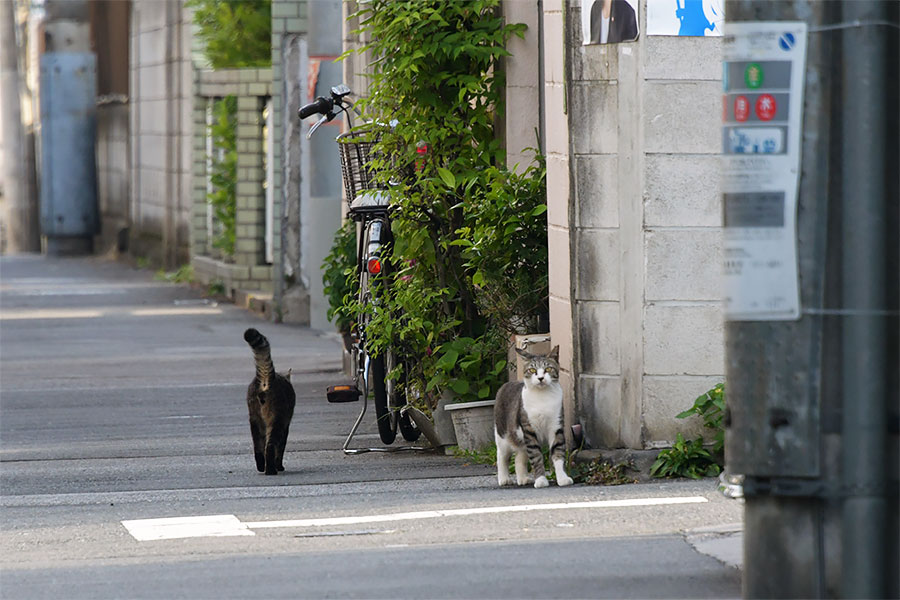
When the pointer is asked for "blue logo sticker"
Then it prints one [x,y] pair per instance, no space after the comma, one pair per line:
[786,41]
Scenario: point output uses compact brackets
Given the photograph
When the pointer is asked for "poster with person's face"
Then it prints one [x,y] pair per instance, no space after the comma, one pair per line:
[609,21]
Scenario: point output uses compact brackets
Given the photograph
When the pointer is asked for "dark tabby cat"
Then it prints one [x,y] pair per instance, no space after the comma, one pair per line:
[527,415]
[270,400]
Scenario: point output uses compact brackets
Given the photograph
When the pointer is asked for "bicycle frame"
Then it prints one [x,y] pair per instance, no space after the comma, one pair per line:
[370,209]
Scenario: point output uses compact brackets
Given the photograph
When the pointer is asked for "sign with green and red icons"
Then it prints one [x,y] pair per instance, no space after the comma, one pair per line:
[753,75]
[763,80]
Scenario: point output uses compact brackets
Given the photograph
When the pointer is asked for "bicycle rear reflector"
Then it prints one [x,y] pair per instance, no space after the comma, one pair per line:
[374,265]
[342,393]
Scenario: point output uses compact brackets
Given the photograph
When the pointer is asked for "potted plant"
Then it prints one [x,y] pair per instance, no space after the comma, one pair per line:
[472,370]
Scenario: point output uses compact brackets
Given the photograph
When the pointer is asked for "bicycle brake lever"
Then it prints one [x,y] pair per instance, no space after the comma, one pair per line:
[318,124]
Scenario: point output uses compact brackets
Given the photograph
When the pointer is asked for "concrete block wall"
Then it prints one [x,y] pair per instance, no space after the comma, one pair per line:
[638,195]
[288,18]
[290,23]
[247,268]
[559,226]
[523,85]
[113,170]
[160,131]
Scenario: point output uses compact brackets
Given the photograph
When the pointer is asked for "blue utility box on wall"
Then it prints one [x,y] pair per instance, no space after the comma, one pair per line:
[69,209]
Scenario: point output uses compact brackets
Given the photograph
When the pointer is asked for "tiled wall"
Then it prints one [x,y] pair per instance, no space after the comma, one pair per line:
[247,270]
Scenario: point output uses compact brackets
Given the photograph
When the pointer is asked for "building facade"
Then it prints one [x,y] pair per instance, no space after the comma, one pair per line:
[631,136]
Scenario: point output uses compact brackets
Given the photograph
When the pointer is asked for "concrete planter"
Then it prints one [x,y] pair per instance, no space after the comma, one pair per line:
[473,423]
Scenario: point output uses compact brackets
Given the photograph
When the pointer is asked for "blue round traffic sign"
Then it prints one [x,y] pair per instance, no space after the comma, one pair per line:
[786,41]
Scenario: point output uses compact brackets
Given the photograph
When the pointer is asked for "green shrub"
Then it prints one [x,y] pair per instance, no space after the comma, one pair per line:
[710,406]
[685,459]
[235,33]
[340,277]
[504,245]
[470,237]
[470,367]
[689,458]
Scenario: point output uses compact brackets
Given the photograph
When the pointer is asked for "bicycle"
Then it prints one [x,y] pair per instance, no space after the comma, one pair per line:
[369,206]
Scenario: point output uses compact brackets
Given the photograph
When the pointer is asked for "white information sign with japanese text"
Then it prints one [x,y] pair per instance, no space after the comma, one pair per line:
[763,78]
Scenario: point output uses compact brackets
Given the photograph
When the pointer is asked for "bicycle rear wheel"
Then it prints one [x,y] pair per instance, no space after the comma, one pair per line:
[386,415]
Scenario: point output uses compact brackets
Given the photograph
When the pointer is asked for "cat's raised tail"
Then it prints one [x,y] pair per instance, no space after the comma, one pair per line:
[262,355]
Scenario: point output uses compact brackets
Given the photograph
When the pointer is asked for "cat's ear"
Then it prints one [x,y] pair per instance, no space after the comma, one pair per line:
[554,354]
[288,374]
[523,353]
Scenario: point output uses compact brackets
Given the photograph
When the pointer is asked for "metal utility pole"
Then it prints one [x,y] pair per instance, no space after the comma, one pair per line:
[864,237]
[22,234]
[812,418]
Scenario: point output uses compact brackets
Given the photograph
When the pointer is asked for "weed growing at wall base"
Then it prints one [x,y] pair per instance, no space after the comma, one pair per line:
[689,458]
[596,472]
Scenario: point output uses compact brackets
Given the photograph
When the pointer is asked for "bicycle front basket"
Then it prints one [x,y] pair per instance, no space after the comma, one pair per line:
[357,150]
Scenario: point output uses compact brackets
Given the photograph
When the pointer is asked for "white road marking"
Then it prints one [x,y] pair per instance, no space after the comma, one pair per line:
[15,314]
[144,530]
[225,525]
[62,292]
[177,310]
[484,510]
[49,313]
[182,417]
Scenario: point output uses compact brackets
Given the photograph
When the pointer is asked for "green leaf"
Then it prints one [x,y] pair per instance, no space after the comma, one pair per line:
[448,360]
[685,414]
[459,386]
[447,177]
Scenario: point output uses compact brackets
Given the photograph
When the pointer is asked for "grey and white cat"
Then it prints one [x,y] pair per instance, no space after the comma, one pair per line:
[528,416]
[270,402]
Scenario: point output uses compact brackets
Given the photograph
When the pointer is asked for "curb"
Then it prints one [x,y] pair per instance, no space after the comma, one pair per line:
[256,302]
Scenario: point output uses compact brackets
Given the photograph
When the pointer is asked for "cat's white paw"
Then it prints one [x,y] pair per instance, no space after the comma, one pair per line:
[524,479]
[563,480]
[503,480]
[541,482]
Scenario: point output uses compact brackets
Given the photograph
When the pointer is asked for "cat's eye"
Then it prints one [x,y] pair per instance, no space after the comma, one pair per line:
[530,371]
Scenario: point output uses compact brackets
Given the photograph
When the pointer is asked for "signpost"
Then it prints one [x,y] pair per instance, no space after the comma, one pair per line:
[763,85]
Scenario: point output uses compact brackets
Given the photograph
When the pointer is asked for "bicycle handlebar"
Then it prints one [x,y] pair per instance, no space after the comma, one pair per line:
[321,106]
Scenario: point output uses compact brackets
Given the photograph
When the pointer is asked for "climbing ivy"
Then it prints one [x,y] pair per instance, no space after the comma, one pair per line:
[235,33]
[436,74]
[223,177]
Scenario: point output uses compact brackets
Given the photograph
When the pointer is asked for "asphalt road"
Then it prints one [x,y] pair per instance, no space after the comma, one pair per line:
[122,403]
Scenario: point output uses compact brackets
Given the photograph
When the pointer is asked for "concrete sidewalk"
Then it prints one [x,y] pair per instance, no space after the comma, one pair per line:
[52,288]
